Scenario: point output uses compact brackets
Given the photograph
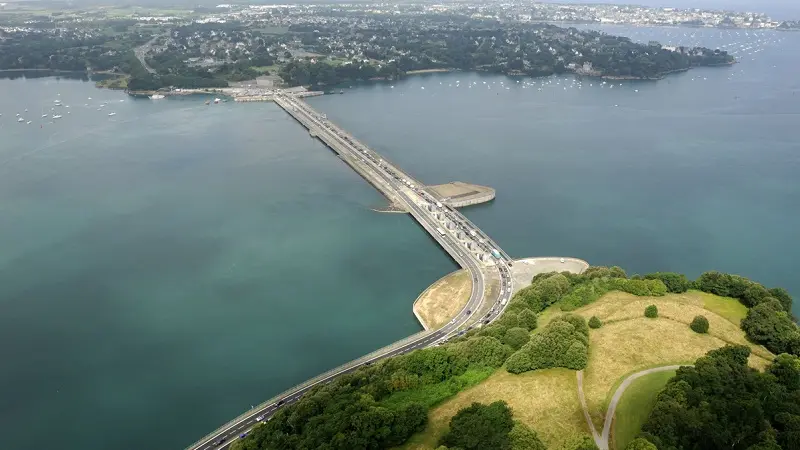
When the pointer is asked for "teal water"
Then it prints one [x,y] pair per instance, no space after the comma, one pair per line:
[165,268]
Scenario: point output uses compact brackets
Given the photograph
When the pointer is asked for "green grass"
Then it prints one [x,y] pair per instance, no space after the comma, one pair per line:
[727,307]
[433,394]
[635,406]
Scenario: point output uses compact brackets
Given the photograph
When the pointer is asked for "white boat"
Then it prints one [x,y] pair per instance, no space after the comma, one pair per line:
[156,97]
[20,120]
[44,115]
[57,116]
[28,122]
[112,114]
[216,100]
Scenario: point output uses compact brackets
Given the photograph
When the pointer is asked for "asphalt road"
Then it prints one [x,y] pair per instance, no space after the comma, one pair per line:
[390,177]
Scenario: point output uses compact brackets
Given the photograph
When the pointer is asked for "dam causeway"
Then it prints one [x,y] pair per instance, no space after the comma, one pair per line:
[494,276]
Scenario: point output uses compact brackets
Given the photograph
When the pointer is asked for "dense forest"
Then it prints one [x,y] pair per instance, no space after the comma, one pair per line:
[383,404]
[721,403]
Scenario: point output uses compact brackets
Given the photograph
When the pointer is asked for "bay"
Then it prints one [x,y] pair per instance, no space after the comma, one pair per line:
[166,267]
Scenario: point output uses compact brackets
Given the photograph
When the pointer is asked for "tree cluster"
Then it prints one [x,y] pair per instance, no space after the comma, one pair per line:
[563,343]
[489,427]
[769,325]
[676,283]
[746,291]
[769,321]
[721,403]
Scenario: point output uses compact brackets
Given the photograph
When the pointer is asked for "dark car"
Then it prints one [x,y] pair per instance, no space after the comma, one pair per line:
[243,435]
[280,402]
[469,311]
[219,441]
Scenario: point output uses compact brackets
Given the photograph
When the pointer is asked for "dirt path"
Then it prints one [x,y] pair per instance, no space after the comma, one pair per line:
[602,439]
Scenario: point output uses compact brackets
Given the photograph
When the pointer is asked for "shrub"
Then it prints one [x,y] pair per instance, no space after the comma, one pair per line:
[595,323]
[651,311]
[699,325]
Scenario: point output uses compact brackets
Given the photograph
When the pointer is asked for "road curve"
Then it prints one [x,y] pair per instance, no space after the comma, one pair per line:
[602,439]
[385,177]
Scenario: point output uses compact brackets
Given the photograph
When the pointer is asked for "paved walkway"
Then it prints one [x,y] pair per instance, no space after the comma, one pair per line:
[602,439]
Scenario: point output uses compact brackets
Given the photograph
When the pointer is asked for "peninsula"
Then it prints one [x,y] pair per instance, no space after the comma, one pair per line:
[323,46]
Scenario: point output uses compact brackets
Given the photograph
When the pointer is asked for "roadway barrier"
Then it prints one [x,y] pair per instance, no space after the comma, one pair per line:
[313,381]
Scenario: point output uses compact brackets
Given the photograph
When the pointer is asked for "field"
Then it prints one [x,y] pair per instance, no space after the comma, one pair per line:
[546,399]
[444,299]
[627,343]
[635,405]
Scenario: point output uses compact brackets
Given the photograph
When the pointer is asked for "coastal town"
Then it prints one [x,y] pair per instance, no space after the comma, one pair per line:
[326,45]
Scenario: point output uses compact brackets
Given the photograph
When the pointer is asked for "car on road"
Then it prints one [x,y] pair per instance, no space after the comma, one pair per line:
[562,259]
[259,418]
[242,436]
[469,311]
[280,403]
[219,441]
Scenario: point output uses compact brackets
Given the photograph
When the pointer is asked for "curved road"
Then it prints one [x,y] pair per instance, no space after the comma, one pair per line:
[602,439]
[414,198]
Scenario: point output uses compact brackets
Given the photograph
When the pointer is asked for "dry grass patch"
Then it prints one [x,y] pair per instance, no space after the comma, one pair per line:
[546,400]
[618,306]
[624,347]
[443,300]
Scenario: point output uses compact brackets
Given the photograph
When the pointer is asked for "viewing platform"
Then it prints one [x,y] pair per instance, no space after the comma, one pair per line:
[458,194]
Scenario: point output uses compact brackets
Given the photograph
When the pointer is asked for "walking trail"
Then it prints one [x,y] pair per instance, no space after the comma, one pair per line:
[602,439]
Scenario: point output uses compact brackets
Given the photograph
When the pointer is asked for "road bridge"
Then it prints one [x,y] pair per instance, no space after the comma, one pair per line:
[470,247]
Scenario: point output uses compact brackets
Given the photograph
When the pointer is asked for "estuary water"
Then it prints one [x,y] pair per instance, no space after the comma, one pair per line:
[166,267]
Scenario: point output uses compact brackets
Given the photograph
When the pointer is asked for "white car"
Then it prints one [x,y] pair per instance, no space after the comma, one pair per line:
[259,418]
[562,259]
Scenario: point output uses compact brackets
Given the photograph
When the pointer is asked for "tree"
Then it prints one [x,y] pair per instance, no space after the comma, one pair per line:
[769,325]
[783,297]
[651,312]
[516,337]
[524,438]
[640,444]
[699,325]
[595,322]
[577,356]
[480,427]
[527,319]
